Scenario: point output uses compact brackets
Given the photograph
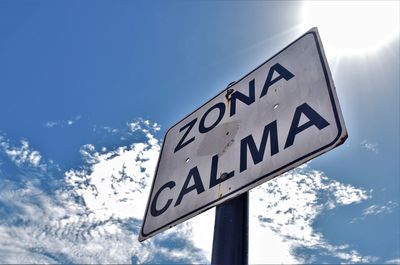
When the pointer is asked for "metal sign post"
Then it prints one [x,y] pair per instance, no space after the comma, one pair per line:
[231,232]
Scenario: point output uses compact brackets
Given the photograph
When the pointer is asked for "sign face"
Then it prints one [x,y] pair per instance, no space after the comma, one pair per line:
[280,115]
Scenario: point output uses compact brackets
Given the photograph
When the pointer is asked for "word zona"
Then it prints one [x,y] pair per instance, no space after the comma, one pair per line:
[246,99]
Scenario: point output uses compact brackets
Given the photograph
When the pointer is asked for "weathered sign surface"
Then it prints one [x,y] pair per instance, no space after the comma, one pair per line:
[280,115]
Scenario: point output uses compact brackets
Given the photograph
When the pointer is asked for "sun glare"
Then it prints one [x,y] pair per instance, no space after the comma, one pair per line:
[353,27]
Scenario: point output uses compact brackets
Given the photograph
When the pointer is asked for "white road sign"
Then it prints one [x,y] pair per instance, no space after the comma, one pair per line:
[280,115]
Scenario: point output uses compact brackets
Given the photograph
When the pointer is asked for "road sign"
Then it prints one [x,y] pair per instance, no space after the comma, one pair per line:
[280,115]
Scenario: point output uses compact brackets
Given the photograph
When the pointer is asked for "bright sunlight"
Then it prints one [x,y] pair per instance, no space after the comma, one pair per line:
[353,27]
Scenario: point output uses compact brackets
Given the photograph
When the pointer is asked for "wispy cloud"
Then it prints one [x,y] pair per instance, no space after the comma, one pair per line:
[376,209]
[63,123]
[94,217]
[380,209]
[141,124]
[131,129]
[110,130]
[113,184]
[373,147]
[23,154]
[283,211]
[393,261]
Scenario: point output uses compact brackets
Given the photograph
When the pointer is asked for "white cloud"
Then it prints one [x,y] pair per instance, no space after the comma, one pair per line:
[63,123]
[380,209]
[346,194]
[56,230]
[113,184]
[51,124]
[110,130]
[199,230]
[95,217]
[376,209]
[143,125]
[373,147]
[22,155]
[393,261]
[283,212]
[268,247]
[134,126]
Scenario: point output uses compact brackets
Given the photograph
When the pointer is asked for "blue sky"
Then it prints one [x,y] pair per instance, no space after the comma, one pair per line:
[90,87]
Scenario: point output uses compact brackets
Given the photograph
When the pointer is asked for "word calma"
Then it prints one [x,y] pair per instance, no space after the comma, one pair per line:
[247,144]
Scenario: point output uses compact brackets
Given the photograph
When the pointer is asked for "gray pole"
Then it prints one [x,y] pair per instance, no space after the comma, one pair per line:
[231,232]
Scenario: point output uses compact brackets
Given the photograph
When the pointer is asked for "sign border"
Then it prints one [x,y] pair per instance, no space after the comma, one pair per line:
[335,105]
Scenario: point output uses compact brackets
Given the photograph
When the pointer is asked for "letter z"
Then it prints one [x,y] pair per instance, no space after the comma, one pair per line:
[181,143]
